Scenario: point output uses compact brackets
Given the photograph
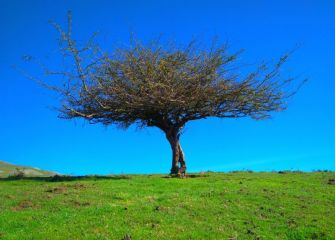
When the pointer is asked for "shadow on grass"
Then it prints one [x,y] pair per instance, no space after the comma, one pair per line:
[64,178]
[199,175]
[67,178]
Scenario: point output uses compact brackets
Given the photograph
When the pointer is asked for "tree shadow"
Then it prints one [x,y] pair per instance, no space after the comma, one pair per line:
[65,178]
[192,175]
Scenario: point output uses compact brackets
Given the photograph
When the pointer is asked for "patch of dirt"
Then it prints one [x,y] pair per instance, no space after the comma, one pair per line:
[77,186]
[24,205]
[63,188]
[59,189]
[79,204]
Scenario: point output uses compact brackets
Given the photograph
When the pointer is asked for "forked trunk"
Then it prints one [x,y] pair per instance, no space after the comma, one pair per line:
[178,158]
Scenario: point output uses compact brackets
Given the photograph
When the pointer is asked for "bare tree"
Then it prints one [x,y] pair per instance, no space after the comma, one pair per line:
[165,86]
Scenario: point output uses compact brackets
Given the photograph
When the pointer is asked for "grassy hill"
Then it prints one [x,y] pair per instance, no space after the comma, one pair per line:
[241,205]
[7,169]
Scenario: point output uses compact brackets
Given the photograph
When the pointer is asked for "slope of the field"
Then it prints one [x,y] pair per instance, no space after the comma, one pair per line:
[241,205]
[7,170]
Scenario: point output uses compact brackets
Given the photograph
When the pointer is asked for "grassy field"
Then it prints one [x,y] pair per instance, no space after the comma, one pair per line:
[240,205]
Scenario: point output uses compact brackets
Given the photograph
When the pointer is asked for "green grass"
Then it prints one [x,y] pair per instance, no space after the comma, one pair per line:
[239,205]
[8,169]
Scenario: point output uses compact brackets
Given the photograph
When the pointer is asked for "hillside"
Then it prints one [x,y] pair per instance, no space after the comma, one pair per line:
[241,205]
[7,169]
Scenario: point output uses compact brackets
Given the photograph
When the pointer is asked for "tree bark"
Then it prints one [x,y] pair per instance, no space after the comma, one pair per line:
[178,158]
[181,158]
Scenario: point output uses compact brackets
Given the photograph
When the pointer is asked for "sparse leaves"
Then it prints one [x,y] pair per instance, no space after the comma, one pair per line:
[166,86]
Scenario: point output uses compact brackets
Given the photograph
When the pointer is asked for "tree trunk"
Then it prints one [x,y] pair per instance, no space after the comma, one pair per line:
[182,158]
[178,158]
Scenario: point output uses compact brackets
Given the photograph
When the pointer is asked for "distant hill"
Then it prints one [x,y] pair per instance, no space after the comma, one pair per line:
[8,169]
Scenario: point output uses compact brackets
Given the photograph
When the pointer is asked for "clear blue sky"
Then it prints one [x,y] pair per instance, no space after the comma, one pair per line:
[303,137]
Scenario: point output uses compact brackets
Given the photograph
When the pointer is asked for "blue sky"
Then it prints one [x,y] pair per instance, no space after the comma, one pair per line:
[303,137]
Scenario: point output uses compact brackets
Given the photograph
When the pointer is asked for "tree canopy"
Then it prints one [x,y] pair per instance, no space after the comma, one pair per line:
[165,86]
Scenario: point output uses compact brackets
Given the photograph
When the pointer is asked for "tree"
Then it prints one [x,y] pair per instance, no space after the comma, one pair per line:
[165,86]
